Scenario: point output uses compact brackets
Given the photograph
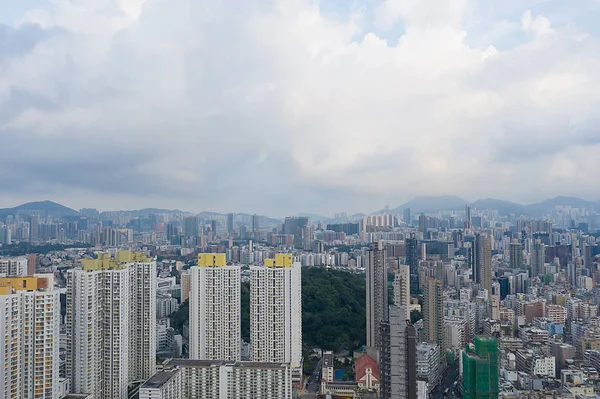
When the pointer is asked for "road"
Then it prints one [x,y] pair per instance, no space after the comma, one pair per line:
[313,384]
[448,378]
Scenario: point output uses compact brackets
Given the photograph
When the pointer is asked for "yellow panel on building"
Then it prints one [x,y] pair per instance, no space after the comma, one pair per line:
[281,260]
[8,284]
[208,260]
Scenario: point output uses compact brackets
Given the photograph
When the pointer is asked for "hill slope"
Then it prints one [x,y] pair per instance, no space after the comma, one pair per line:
[40,208]
[431,204]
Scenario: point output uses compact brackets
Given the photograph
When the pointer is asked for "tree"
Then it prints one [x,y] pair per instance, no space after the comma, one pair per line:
[415,316]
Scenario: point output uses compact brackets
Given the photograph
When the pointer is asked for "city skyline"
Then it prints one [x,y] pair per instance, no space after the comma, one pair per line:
[424,204]
[296,105]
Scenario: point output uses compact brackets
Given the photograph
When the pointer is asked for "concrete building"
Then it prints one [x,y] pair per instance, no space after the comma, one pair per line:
[429,364]
[538,258]
[556,313]
[412,260]
[398,356]
[276,312]
[433,313]
[13,266]
[165,305]
[327,371]
[401,286]
[533,364]
[164,384]
[215,313]
[377,293]
[455,333]
[111,323]
[186,277]
[482,270]
[232,380]
[516,255]
[29,330]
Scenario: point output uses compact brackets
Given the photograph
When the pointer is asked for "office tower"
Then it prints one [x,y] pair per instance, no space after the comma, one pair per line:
[111,324]
[398,356]
[538,258]
[230,222]
[480,369]
[29,330]
[401,286]
[588,257]
[377,293]
[13,266]
[215,314]
[190,226]
[255,223]
[406,216]
[516,255]
[423,225]
[300,228]
[433,313]
[412,260]
[468,218]
[276,312]
[33,229]
[171,231]
[482,254]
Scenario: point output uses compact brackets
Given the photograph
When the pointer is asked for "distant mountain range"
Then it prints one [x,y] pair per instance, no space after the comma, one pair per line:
[425,204]
[432,204]
[39,208]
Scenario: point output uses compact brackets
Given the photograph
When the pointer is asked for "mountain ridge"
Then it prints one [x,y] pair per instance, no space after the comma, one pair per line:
[41,208]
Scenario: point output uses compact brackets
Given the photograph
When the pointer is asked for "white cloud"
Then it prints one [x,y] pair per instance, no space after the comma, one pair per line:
[236,108]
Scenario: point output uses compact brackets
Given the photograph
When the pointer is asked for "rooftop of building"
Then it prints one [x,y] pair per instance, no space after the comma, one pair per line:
[362,364]
[328,359]
[219,363]
[160,378]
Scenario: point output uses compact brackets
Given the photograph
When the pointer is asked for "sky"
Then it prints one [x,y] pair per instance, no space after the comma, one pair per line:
[286,106]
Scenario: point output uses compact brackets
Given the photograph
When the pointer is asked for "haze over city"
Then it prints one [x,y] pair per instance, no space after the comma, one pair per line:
[291,106]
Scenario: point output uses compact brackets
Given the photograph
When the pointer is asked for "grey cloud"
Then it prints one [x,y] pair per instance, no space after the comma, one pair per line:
[18,41]
[277,109]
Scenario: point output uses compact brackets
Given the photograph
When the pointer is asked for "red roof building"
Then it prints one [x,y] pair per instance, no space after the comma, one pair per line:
[367,372]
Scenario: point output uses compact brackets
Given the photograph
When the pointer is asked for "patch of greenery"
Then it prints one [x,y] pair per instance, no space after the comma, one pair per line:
[333,307]
[415,316]
[179,318]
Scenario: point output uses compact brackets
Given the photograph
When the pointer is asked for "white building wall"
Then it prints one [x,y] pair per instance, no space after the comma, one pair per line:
[276,314]
[215,309]
[30,324]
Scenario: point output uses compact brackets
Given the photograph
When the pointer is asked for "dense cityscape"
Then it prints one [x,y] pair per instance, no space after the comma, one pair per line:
[299,199]
[435,298]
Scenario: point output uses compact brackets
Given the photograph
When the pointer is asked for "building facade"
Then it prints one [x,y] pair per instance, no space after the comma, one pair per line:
[276,312]
[13,266]
[206,379]
[401,286]
[215,309]
[433,313]
[29,329]
[377,293]
[111,324]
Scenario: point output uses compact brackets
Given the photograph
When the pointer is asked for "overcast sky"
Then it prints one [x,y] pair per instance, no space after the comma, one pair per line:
[286,106]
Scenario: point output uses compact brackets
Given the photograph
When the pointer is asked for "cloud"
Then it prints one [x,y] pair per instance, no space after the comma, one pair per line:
[279,107]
